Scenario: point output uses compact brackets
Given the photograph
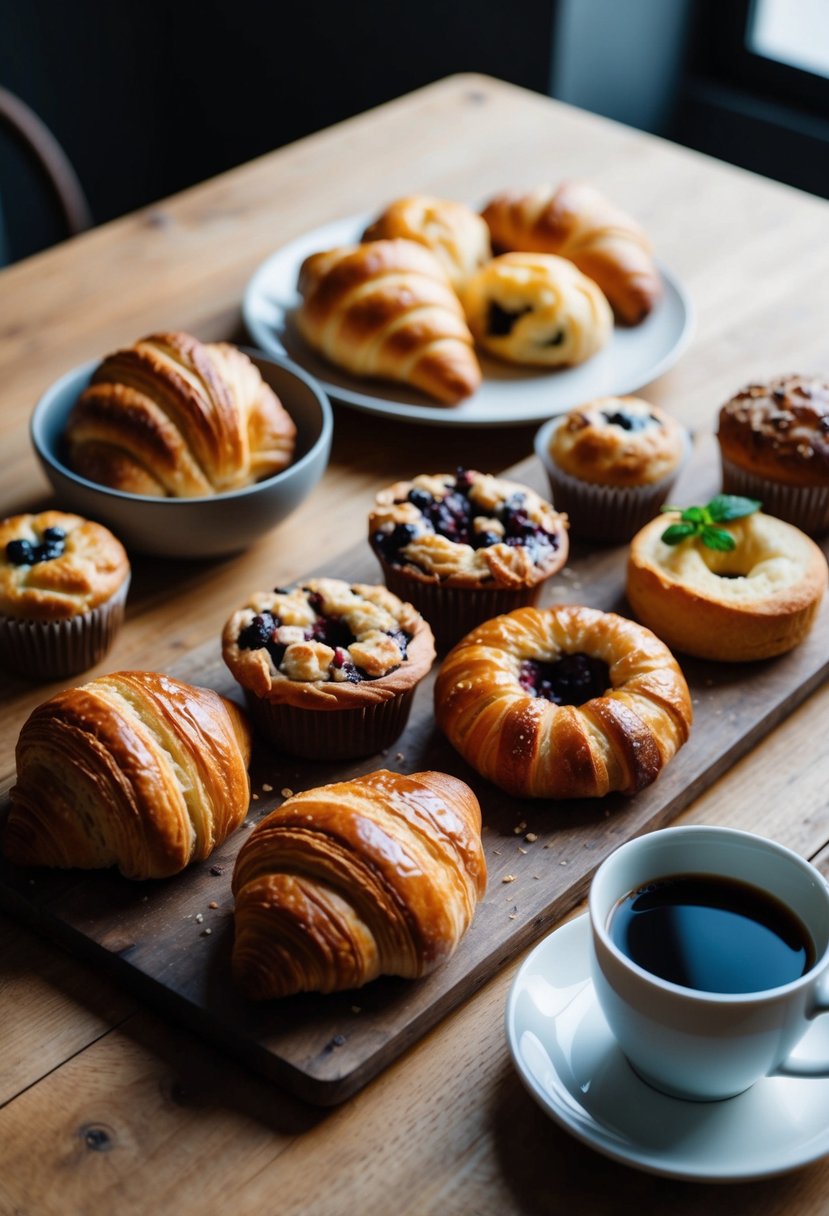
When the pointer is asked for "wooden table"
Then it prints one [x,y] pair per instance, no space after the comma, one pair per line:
[105,1106]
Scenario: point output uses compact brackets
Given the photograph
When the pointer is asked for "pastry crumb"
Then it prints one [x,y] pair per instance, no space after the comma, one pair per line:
[199,917]
[212,904]
[287,793]
[206,932]
[266,787]
[531,837]
[508,878]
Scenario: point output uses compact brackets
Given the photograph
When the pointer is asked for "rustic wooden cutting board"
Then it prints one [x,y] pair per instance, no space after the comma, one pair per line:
[170,941]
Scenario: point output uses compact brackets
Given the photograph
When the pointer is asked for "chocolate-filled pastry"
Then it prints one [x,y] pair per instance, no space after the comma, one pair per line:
[537,310]
[386,309]
[576,221]
[134,770]
[563,702]
[172,417]
[456,234]
[376,876]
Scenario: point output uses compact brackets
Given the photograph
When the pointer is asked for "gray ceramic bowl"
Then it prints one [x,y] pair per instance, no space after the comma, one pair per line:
[191,527]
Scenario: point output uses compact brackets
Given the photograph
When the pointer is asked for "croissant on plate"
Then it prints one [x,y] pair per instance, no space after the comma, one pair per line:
[173,417]
[456,234]
[577,222]
[563,702]
[376,876]
[386,309]
[134,770]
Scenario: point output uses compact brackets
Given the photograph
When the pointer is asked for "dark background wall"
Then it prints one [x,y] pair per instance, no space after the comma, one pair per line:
[149,97]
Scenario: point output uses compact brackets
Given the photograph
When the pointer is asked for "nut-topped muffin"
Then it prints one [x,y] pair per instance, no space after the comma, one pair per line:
[611,464]
[63,586]
[774,444]
[328,668]
[465,546]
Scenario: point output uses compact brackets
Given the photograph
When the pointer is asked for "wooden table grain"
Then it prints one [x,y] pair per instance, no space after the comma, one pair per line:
[104,1106]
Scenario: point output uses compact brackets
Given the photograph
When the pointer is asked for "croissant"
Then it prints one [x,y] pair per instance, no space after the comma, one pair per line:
[563,702]
[172,417]
[537,309]
[341,884]
[456,234]
[133,769]
[576,222]
[387,309]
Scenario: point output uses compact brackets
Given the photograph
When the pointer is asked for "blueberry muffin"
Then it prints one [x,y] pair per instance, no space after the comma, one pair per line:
[774,445]
[536,310]
[329,668]
[465,546]
[611,464]
[63,586]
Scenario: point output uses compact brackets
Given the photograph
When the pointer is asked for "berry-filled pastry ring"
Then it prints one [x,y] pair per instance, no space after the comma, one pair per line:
[563,702]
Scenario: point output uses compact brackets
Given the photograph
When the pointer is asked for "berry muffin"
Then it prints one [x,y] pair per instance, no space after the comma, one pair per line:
[63,587]
[774,445]
[465,546]
[611,464]
[329,668]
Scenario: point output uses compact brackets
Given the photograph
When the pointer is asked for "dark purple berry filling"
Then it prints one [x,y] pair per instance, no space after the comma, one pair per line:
[631,422]
[453,516]
[570,680]
[501,321]
[24,553]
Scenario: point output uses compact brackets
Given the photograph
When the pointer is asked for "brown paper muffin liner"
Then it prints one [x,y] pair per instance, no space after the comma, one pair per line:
[331,734]
[53,650]
[452,612]
[609,515]
[807,507]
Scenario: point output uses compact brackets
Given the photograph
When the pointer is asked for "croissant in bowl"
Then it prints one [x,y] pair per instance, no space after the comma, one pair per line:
[172,417]
[376,876]
[134,770]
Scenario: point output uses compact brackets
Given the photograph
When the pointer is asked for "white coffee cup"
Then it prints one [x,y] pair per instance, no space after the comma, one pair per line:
[709,1045]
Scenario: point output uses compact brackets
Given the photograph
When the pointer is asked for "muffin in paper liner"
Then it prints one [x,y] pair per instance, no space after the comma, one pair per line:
[328,668]
[604,514]
[465,546]
[52,650]
[807,507]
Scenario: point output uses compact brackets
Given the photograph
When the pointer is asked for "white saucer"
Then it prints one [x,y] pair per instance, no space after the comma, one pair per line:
[570,1063]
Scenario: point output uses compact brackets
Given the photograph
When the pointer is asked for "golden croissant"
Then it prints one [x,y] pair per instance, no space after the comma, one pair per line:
[386,309]
[134,770]
[172,417]
[563,702]
[456,234]
[577,222]
[376,876]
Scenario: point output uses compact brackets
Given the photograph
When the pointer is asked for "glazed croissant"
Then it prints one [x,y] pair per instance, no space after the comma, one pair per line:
[376,876]
[576,222]
[134,770]
[456,234]
[624,707]
[174,418]
[387,309]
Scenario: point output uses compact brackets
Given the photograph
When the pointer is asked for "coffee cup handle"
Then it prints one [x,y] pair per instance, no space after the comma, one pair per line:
[809,1068]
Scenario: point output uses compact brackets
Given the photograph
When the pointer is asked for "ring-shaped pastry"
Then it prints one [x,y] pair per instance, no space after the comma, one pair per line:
[752,602]
[626,710]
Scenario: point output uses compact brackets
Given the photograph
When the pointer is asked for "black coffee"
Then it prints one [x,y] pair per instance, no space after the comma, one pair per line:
[713,934]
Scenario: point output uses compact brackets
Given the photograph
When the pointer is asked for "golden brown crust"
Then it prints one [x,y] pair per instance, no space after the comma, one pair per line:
[531,747]
[779,430]
[618,441]
[133,769]
[537,310]
[432,557]
[753,602]
[172,417]
[386,309]
[577,222]
[91,569]
[456,234]
[376,876]
[307,676]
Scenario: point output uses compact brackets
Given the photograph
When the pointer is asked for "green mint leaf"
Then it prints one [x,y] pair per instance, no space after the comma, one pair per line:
[730,506]
[695,515]
[717,538]
[677,532]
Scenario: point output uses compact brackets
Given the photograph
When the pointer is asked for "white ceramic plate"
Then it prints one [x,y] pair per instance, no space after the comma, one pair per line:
[632,358]
[570,1063]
